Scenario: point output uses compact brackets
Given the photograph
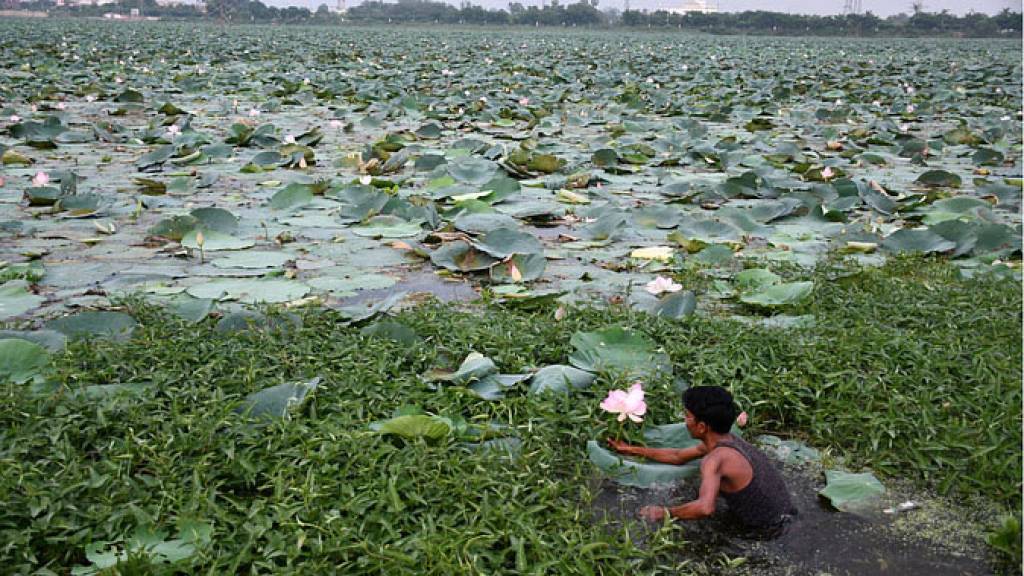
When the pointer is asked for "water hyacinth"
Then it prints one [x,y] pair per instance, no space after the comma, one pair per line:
[627,404]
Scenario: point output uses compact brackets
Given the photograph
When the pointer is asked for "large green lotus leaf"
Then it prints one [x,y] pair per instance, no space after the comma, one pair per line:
[505,242]
[250,290]
[939,179]
[174,227]
[116,325]
[460,256]
[472,170]
[392,330]
[995,237]
[214,241]
[663,216]
[481,222]
[475,367]
[252,320]
[770,210]
[50,339]
[708,231]
[851,492]
[352,284]
[414,426]
[387,226]
[367,310]
[560,378]
[191,309]
[879,201]
[253,259]
[606,227]
[964,234]
[15,299]
[778,294]
[492,387]
[789,451]
[217,219]
[628,472]
[277,401]
[919,240]
[669,436]
[755,279]
[617,349]
[676,306]
[959,207]
[21,360]
[292,196]
[519,268]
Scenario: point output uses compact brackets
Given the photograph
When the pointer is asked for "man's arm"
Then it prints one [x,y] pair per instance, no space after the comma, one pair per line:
[704,505]
[664,455]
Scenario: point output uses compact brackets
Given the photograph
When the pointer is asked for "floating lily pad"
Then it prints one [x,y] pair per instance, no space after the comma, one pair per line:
[617,349]
[559,378]
[52,340]
[413,426]
[15,299]
[629,472]
[21,360]
[849,492]
[778,294]
[277,401]
[250,291]
[460,256]
[101,323]
[387,226]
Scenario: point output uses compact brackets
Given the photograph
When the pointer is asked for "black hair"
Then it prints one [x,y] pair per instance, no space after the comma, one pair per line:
[712,405]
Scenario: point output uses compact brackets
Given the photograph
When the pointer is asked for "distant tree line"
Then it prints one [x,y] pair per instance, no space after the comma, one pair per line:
[583,13]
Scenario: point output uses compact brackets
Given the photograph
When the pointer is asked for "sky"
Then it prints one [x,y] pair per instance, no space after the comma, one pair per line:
[878,7]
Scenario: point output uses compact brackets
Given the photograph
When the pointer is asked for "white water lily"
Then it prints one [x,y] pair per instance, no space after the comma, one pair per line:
[661,285]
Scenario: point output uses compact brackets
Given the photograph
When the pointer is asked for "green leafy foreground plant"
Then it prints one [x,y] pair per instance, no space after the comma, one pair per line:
[902,364]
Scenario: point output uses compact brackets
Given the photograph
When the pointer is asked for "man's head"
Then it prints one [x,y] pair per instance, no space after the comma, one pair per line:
[712,406]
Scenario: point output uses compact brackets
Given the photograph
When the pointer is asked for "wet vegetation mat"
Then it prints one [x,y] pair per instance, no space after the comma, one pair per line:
[422,442]
[345,300]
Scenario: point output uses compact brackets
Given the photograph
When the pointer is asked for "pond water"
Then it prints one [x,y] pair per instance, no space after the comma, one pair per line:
[819,541]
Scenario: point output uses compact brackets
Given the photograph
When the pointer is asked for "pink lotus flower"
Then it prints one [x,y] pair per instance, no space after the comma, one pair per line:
[524,101]
[661,284]
[254,113]
[60,106]
[827,173]
[40,179]
[173,130]
[289,139]
[15,118]
[336,124]
[741,420]
[626,404]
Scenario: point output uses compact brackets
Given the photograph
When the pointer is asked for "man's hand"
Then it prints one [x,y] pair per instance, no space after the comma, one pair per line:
[622,447]
[653,513]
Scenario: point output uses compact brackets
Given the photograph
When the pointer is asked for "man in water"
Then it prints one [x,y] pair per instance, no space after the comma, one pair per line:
[732,468]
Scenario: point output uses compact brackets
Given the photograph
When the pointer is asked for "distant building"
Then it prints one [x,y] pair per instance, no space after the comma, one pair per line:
[688,6]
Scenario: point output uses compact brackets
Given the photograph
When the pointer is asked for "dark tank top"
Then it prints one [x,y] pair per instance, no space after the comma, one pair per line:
[764,502]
